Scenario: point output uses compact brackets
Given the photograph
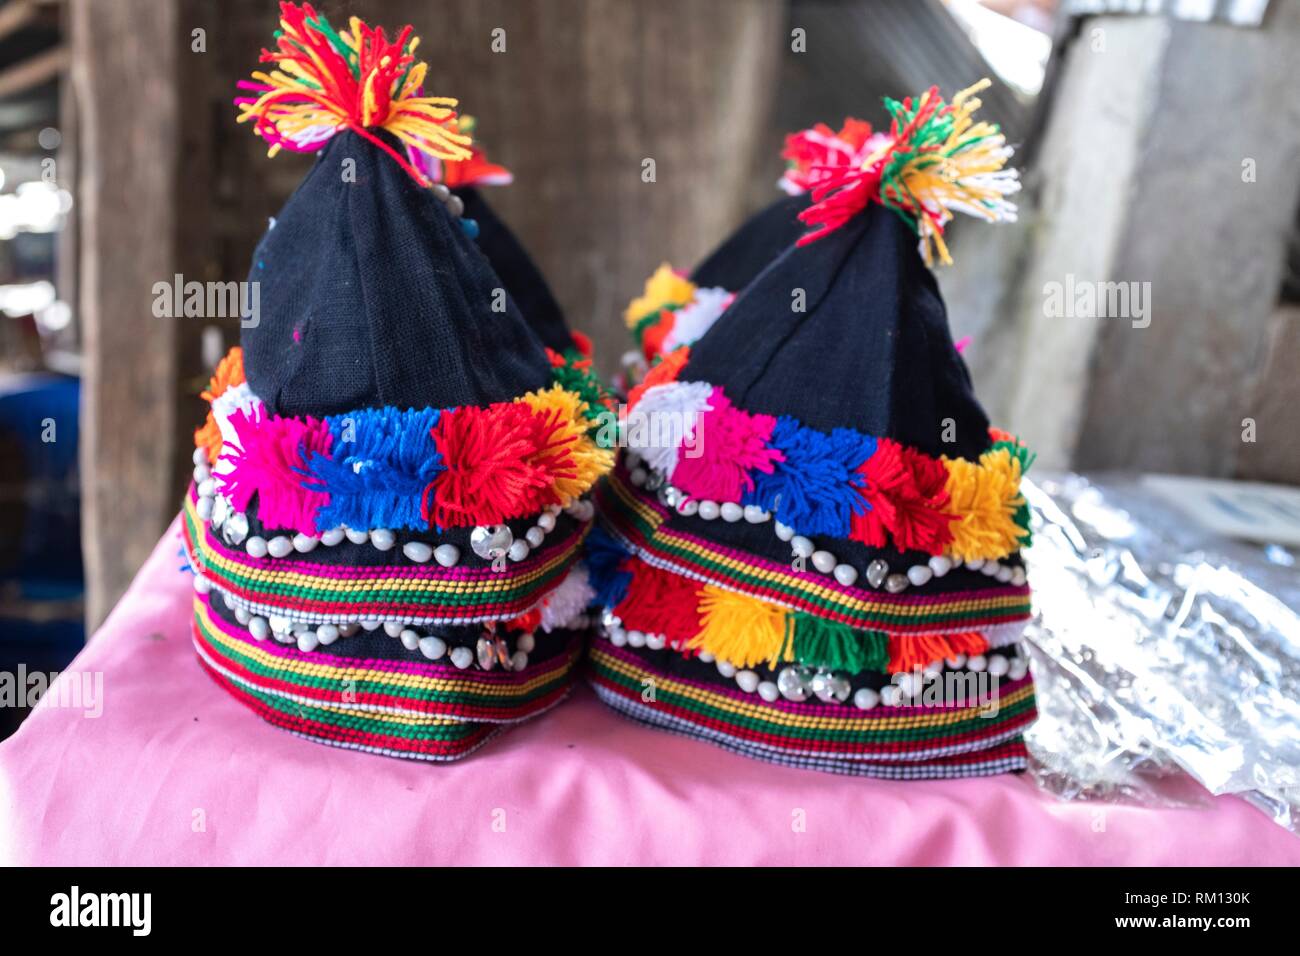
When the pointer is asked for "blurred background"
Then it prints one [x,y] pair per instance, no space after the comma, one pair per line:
[1160,143]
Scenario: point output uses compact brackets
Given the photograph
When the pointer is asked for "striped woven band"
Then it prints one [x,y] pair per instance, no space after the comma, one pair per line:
[638,522]
[904,742]
[415,593]
[408,707]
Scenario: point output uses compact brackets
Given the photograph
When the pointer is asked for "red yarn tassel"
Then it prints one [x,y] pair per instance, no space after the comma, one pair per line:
[660,602]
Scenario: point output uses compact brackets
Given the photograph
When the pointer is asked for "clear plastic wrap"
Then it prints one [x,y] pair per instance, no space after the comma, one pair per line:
[1164,656]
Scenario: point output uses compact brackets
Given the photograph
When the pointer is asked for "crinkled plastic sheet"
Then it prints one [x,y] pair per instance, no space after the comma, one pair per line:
[1164,655]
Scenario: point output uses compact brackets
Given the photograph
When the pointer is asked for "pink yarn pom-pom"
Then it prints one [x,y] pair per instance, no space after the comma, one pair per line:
[728,444]
[269,461]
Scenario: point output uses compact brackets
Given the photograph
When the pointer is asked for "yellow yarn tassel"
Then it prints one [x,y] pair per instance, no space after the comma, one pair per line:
[742,630]
[590,461]
[664,288]
[984,497]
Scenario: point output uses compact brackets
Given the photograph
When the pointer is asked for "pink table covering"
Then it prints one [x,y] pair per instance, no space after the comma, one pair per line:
[176,772]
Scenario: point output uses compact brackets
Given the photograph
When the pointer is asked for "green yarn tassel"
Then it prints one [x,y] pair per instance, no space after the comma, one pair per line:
[1026,459]
[589,388]
[819,642]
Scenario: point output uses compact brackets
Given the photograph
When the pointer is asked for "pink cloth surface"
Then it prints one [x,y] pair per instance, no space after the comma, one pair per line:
[176,772]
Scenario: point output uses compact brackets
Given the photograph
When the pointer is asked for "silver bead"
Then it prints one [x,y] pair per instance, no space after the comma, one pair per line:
[256,547]
[535,536]
[409,638]
[940,564]
[204,508]
[259,628]
[791,685]
[220,511]
[999,665]
[356,536]
[709,510]
[747,681]
[440,192]
[975,564]
[485,653]
[823,561]
[242,615]
[896,583]
[518,551]
[279,546]
[783,531]
[455,206]
[236,528]
[303,543]
[327,633]
[490,542]
[462,657]
[393,628]
[1018,576]
[526,643]
[768,691]
[877,571]
[671,496]
[756,515]
[1004,574]
[726,668]
[207,488]
[331,537]
[688,507]
[446,555]
[801,546]
[200,456]
[546,521]
[417,551]
[731,512]
[383,539]
[518,661]
[823,687]
[977,663]
[202,473]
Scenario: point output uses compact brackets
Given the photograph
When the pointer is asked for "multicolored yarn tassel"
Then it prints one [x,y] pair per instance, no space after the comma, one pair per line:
[748,631]
[844,484]
[935,161]
[326,81]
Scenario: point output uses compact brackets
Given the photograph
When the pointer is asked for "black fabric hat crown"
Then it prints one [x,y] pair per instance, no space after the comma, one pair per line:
[870,350]
[521,277]
[752,247]
[371,295]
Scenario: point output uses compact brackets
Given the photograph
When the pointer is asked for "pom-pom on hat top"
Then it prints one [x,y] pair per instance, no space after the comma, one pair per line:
[390,491]
[813,547]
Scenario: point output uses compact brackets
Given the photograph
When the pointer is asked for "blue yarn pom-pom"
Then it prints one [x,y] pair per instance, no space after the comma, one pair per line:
[815,490]
[379,465]
[602,554]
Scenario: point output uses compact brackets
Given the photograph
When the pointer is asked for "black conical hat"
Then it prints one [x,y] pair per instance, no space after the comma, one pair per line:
[522,279]
[870,351]
[752,247]
[371,295]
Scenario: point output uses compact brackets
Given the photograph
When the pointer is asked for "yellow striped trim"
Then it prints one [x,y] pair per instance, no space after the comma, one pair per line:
[485,587]
[810,587]
[930,718]
[214,633]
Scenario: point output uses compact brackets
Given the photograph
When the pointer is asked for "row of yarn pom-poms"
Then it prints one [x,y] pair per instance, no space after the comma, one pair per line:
[407,468]
[844,484]
[697,618]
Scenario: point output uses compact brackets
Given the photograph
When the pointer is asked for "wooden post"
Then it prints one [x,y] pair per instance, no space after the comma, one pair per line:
[123,69]
[582,94]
